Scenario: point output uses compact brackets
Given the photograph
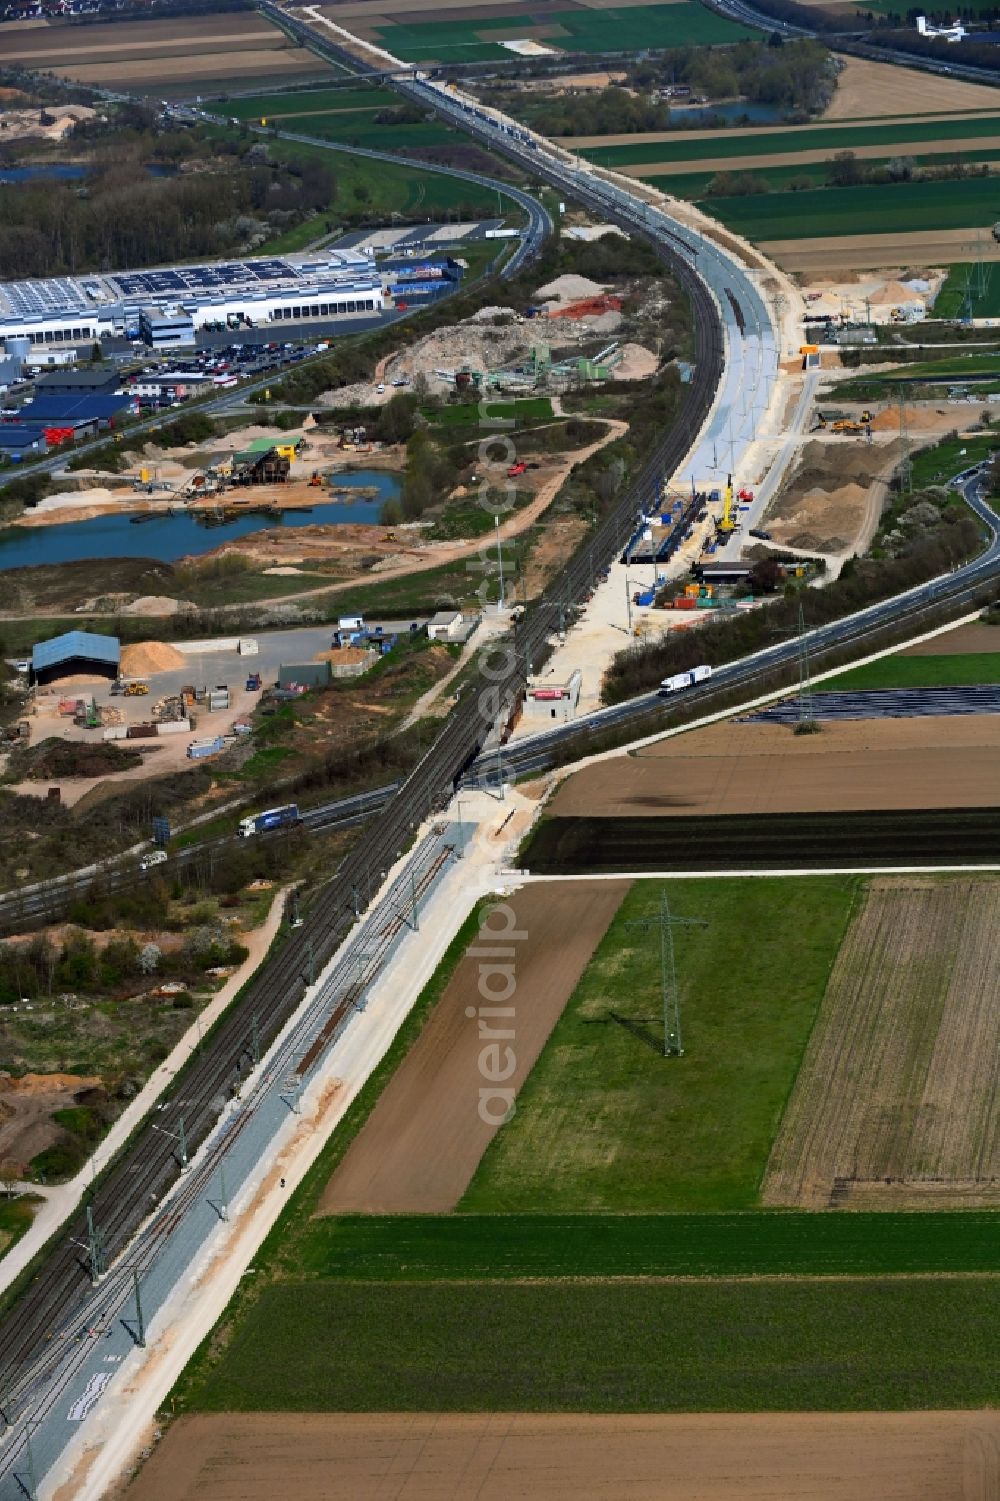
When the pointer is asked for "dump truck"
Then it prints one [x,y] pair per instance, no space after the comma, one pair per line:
[285,817]
[136,689]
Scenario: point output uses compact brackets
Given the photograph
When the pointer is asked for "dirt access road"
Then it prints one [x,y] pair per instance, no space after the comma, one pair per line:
[765,768]
[425,1138]
[914,1456]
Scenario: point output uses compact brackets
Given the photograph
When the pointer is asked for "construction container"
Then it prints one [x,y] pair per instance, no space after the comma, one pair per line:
[141,731]
[199,749]
[218,700]
[685,602]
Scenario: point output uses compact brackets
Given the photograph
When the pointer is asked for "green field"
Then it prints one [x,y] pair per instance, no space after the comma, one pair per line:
[876,209]
[632,28]
[766,1243]
[305,101]
[749,143]
[472,413]
[719,1346]
[920,672]
[392,188]
[605,1122]
[358,128]
[984,302]
[779,180]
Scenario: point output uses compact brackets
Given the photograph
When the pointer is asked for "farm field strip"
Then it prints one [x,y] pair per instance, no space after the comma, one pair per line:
[782,842]
[898,1082]
[766,1243]
[426,1136]
[296,102]
[679,23]
[902,208]
[550,1346]
[922,669]
[346,1457]
[983,148]
[822,257]
[677,145]
[867,89]
[605,1123]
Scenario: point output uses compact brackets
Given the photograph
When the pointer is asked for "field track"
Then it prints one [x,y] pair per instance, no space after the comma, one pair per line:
[896,1103]
[936,1456]
[425,1137]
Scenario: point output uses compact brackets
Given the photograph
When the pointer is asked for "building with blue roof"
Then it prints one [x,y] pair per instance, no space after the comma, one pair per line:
[76,654]
[73,411]
[18,439]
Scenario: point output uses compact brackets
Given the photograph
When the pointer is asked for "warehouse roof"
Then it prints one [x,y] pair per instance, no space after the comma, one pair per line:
[82,408]
[99,378]
[76,644]
[18,435]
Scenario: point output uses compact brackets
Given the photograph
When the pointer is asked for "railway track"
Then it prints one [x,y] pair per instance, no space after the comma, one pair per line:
[122,1198]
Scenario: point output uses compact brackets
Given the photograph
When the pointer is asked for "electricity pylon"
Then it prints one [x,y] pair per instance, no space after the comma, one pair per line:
[673,1041]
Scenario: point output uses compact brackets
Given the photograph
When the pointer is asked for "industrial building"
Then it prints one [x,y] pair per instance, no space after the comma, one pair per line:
[76,654]
[19,441]
[168,304]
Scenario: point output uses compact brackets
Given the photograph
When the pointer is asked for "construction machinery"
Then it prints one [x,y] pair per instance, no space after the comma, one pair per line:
[847,426]
[136,689]
[726,524]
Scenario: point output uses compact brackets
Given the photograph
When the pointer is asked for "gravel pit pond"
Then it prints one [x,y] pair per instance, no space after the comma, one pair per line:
[169,537]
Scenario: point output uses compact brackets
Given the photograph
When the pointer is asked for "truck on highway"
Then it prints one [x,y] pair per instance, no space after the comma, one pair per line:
[681,680]
[285,817]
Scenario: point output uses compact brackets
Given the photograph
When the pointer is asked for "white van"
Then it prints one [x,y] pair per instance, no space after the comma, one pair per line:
[155,857]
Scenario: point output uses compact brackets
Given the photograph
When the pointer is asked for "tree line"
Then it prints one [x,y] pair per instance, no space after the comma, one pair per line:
[796,78]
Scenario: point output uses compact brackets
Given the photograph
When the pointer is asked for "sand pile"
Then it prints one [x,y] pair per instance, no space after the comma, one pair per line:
[918,418]
[893,293]
[636,363]
[570,288]
[154,604]
[823,520]
[146,657]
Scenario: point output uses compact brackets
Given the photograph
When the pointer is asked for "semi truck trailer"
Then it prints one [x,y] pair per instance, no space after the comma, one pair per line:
[285,817]
[682,680]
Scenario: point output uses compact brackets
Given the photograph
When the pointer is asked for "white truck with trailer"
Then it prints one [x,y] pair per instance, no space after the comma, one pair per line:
[681,680]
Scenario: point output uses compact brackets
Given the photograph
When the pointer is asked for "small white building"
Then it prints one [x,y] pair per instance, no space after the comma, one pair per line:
[552,700]
[446,625]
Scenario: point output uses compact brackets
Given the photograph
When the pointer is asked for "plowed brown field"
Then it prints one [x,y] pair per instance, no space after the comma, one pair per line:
[915,1456]
[423,1141]
[946,762]
[930,247]
[895,1104]
[971,639]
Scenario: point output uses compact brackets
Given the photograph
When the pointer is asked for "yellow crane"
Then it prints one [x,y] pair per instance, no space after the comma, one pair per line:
[726,522]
